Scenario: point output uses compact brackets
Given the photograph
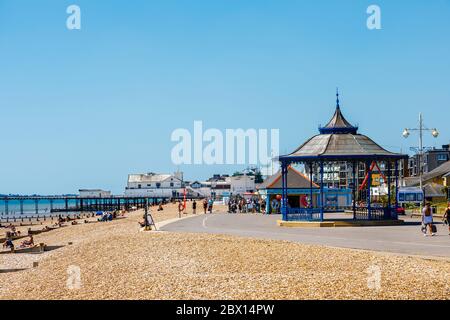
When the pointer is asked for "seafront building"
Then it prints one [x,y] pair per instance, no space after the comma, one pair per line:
[155,185]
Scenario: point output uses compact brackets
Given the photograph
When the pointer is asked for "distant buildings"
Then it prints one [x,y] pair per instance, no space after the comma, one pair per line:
[94,193]
[431,159]
[155,185]
[219,186]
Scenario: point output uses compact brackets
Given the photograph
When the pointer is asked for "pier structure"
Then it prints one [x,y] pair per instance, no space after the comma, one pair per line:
[79,204]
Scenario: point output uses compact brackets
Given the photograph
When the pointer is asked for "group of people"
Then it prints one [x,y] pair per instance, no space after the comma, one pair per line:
[108,216]
[207,204]
[8,244]
[428,226]
[12,230]
[241,205]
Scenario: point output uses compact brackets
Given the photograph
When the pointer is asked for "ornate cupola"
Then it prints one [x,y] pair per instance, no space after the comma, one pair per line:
[338,123]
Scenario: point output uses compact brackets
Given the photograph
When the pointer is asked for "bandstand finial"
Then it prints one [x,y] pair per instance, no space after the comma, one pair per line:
[337,97]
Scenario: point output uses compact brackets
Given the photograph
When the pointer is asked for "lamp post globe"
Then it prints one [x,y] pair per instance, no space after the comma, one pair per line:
[435,133]
[405,133]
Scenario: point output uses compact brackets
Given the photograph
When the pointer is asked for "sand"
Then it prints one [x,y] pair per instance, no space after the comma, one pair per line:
[116,260]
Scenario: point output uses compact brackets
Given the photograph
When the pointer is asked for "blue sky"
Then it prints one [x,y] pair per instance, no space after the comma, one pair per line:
[83,108]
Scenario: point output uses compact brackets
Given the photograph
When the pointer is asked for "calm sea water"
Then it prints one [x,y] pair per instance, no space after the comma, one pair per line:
[29,208]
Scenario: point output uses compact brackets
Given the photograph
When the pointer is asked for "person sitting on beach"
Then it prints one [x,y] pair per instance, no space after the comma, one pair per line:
[8,243]
[27,243]
[13,230]
[160,208]
[143,223]
[104,217]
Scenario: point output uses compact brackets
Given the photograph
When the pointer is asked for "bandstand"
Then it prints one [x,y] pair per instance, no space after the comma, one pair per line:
[339,152]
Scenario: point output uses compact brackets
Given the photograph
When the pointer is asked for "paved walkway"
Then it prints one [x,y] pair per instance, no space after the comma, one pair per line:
[406,239]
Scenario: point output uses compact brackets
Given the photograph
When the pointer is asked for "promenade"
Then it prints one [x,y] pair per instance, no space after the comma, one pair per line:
[403,239]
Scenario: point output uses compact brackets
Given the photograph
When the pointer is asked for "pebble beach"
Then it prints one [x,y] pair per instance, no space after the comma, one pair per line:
[116,260]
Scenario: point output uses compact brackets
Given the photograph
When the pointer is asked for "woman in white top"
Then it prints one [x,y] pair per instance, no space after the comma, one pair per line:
[427,219]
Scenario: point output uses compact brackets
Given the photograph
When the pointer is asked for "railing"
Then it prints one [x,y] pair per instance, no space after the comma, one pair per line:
[376,214]
[303,214]
[362,213]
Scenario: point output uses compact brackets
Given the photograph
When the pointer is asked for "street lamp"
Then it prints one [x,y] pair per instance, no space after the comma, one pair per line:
[420,129]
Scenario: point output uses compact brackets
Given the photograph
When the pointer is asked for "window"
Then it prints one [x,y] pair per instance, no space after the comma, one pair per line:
[442,157]
[149,185]
[139,186]
[158,185]
[171,184]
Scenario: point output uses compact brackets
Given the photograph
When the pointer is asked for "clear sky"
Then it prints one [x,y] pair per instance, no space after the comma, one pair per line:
[83,108]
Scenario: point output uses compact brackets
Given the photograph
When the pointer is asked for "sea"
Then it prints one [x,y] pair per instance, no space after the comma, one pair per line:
[29,208]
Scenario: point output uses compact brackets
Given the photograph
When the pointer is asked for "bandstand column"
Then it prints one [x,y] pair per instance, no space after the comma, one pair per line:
[354,188]
[396,184]
[321,191]
[284,208]
[389,189]
[310,186]
[369,183]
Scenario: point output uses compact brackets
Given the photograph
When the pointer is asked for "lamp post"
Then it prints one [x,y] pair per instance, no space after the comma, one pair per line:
[421,130]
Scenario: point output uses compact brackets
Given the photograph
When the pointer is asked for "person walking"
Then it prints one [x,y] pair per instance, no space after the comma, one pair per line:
[210,205]
[205,205]
[180,208]
[194,207]
[447,217]
[427,220]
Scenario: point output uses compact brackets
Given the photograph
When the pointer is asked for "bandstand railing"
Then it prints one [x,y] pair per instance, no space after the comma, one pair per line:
[362,213]
[303,214]
[375,214]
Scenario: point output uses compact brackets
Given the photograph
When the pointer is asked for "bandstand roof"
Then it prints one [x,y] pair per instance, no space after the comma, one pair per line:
[340,140]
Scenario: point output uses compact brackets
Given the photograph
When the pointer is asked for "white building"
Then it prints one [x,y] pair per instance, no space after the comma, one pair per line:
[241,184]
[155,185]
[94,193]
[208,189]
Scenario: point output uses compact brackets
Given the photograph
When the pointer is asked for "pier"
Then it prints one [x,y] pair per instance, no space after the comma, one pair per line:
[71,204]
